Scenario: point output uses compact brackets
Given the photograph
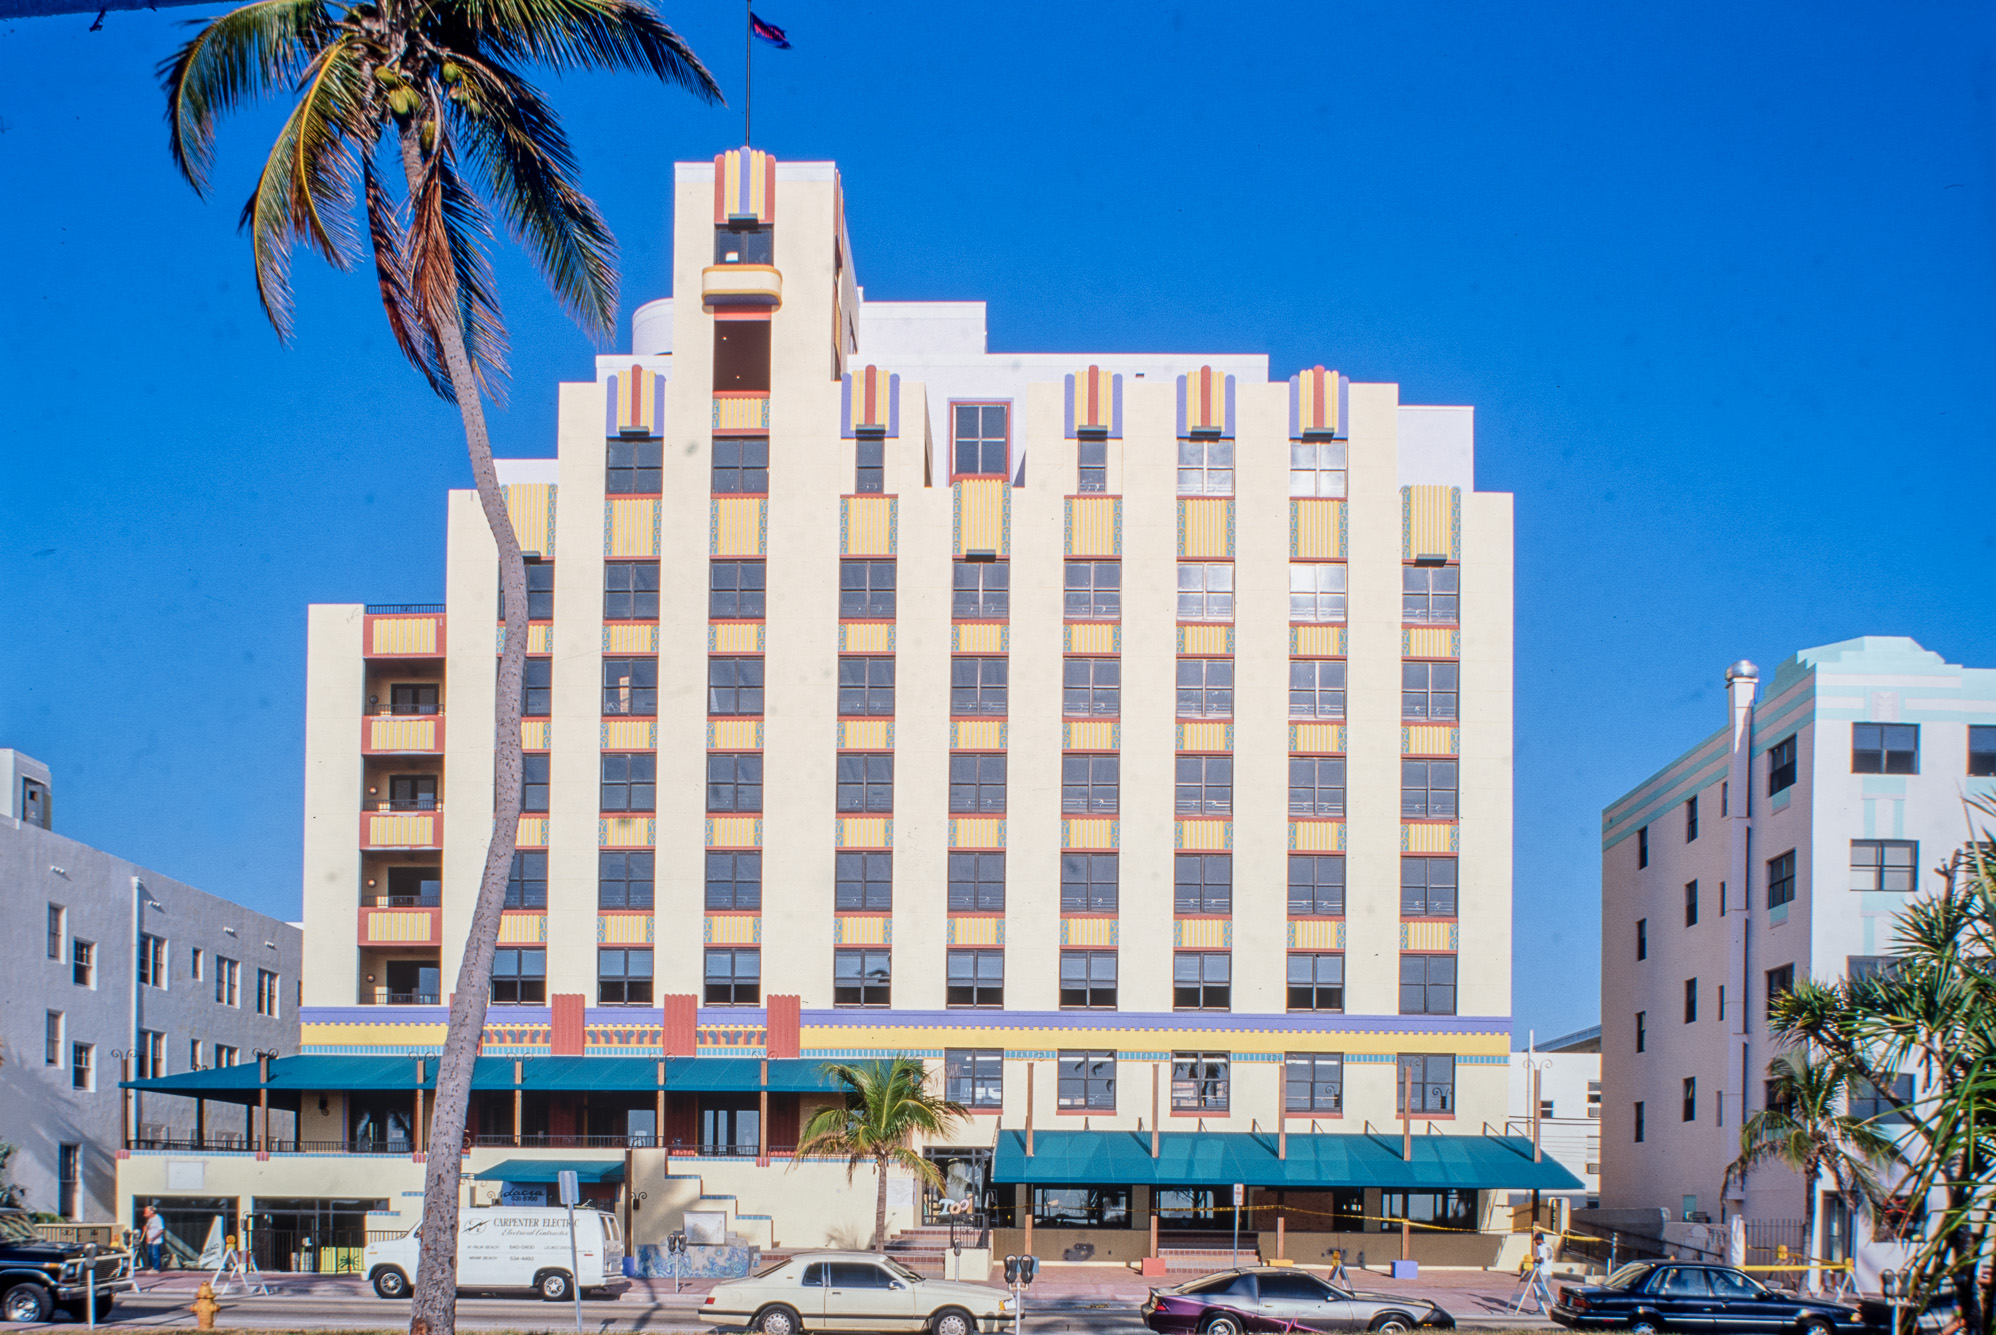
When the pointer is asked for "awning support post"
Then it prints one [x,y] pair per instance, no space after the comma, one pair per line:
[519,1098]
[1281,1234]
[762,1120]
[1537,1152]
[1153,1224]
[658,1113]
[422,1074]
[200,1124]
[1407,1156]
[1153,1117]
[1029,1131]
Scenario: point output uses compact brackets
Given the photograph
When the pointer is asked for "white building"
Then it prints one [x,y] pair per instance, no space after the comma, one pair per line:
[105,963]
[1569,1112]
[1779,848]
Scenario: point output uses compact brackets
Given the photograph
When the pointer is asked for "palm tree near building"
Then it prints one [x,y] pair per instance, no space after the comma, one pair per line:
[1807,1127]
[430,91]
[886,1105]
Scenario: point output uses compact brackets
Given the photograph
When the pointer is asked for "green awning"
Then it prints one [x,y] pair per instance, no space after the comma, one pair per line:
[1218,1158]
[290,1076]
[544,1170]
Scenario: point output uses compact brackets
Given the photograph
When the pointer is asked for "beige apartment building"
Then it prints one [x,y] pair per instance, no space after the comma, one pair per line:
[1128,736]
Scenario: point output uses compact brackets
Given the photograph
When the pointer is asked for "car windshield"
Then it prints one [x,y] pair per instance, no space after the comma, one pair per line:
[900,1271]
[1629,1276]
[16,1228]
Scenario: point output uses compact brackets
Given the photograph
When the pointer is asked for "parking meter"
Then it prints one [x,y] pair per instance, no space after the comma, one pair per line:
[1029,1269]
[1011,1272]
[90,1270]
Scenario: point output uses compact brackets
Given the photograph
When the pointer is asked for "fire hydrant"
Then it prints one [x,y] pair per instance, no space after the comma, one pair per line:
[204,1308]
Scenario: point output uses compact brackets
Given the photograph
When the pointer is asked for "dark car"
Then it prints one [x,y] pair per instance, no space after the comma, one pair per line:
[1647,1296]
[37,1276]
[1268,1298]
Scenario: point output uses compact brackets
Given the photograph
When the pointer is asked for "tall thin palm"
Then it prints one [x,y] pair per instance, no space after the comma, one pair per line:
[887,1104]
[1807,1127]
[436,85]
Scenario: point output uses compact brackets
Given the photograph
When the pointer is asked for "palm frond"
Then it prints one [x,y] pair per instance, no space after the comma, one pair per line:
[449,271]
[389,239]
[616,35]
[516,143]
[233,60]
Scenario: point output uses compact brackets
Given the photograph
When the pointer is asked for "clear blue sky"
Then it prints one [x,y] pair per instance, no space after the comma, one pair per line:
[1718,279]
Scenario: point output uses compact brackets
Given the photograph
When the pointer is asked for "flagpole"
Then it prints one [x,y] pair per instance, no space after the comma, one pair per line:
[748,70]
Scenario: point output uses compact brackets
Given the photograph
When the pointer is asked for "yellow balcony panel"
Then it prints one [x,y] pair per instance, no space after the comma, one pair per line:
[401,829]
[739,526]
[867,525]
[1430,642]
[417,636]
[626,832]
[1205,639]
[741,412]
[982,516]
[1205,737]
[866,637]
[1094,526]
[1317,738]
[730,285]
[1430,739]
[624,929]
[1093,735]
[630,734]
[734,735]
[976,735]
[401,927]
[627,638]
[402,735]
[866,734]
[1317,836]
[734,832]
[862,929]
[1205,835]
[630,526]
[980,638]
[977,832]
[732,929]
[536,734]
[521,928]
[1206,527]
[1088,832]
[1317,641]
[533,832]
[1093,637]
[1088,932]
[1202,933]
[1429,934]
[1317,530]
[1317,934]
[735,637]
[975,930]
[1429,836]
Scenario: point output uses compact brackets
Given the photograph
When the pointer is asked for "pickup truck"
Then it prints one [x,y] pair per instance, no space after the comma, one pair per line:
[38,1276]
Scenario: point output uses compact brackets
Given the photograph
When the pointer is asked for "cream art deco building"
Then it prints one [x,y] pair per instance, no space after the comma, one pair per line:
[1129,737]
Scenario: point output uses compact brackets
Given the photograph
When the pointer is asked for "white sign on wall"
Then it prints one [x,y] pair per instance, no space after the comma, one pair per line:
[186,1174]
[706,1228]
[900,1192]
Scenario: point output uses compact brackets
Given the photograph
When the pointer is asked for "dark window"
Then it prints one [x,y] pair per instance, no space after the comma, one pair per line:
[1427,788]
[1690,818]
[1088,882]
[1642,938]
[977,783]
[866,781]
[1690,1000]
[1427,984]
[1428,690]
[1205,688]
[734,686]
[1094,465]
[734,781]
[1781,879]
[974,1077]
[1639,1123]
[57,931]
[751,244]
[630,590]
[1691,903]
[534,781]
[412,698]
[1690,1098]
[52,1038]
[1781,765]
[414,792]
[979,438]
[540,592]
[1205,591]
[623,977]
[634,467]
[1868,1103]
[981,589]
[1316,787]
[1314,1082]
[527,883]
[1317,883]
[1883,864]
[866,589]
[1204,883]
[736,588]
[976,978]
[1642,1031]
[630,781]
[82,1061]
[734,880]
[1317,688]
[1858,968]
[860,977]
[1094,590]
[1316,982]
[1205,785]
[630,686]
[1884,748]
[1725,798]
[866,685]
[1451,1210]
[1087,1080]
[1780,982]
[624,879]
[1090,783]
[519,976]
[1433,1077]
[1199,1082]
[977,685]
[1201,980]
[1088,981]
[865,881]
[1427,887]
[869,465]
[1429,594]
[1981,749]
[1317,591]
[537,687]
[1205,468]
[977,882]
[741,464]
[1092,687]
[734,977]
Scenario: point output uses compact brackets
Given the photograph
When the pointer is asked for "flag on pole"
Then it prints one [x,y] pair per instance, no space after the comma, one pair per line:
[769,32]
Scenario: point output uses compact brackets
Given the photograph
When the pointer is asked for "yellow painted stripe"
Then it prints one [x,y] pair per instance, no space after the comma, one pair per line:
[1428,837]
[866,735]
[734,735]
[1317,641]
[735,637]
[1094,526]
[733,929]
[405,635]
[1317,738]
[627,639]
[977,832]
[983,516]
[865,832]
[1088,833]
[1206,527]
[868,527]
[1317,529]
[977,735]
[1092,637]
[1429,642]
[866,637]
[630,527]
[1429,739]
[734,832]
[1205,834]
[1095,736]
[1205,639]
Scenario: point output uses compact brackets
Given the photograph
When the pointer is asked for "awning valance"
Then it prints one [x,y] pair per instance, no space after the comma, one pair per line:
[545,1170]
[290,1076]
[1313,1161]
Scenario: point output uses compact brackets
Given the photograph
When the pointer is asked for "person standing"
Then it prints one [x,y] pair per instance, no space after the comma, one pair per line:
[154,1234]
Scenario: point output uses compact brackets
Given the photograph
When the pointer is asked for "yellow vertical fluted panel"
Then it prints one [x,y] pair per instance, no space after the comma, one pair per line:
[983,516]
[530,505]
[630,527]
[1094,526]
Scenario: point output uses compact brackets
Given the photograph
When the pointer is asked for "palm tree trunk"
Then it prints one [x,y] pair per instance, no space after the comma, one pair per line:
[434,1307]
[1812,1203]
[880,1207]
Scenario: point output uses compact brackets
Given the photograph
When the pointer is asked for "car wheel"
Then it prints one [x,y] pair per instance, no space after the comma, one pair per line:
[554,1286]
[779,1321]
[1222,1325]
[25,1302]
[1814,1327]
[390,1283]
[952,1321]
[1643,1325]
[1398,1324]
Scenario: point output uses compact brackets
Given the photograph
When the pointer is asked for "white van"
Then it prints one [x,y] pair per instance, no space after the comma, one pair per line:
[511,1248]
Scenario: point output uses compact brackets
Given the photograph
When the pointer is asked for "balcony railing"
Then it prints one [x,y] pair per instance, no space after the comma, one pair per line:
[401,901]
[239,1144]
[383,826]
[403,609]
[381,996]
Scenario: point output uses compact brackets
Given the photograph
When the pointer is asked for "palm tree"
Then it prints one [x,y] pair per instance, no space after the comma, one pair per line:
[887,1104]
[1806,1127]
[435,84]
